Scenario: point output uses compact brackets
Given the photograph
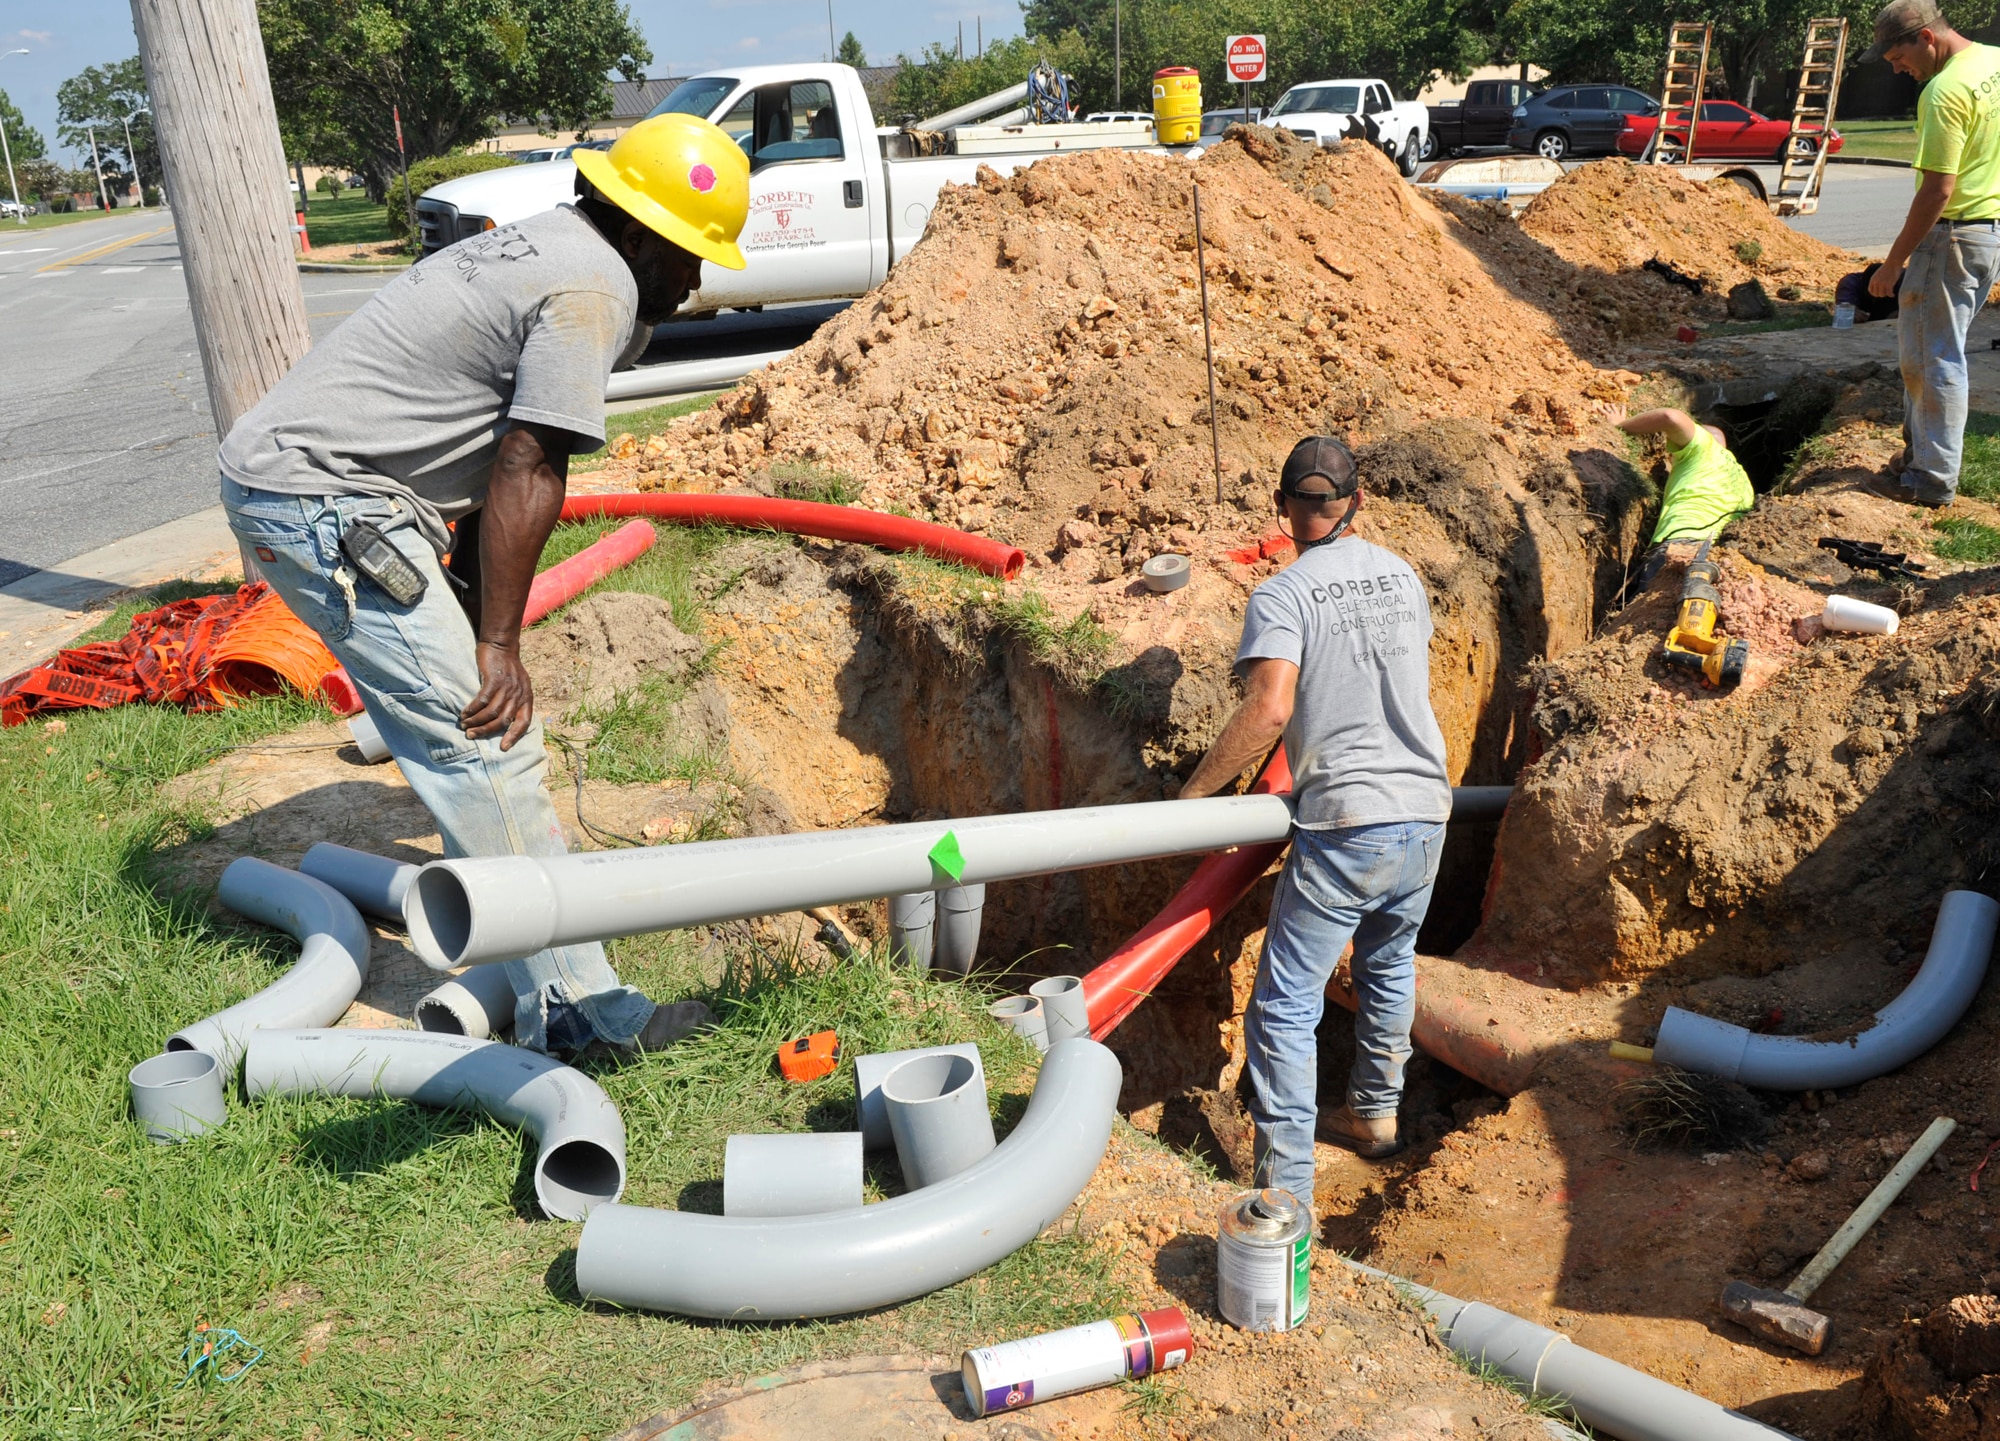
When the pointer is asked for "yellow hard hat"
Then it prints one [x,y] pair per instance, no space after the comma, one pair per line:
[680,176]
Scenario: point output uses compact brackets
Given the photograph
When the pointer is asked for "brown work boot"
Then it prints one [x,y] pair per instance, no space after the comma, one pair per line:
[1371,1138]
[673,1023]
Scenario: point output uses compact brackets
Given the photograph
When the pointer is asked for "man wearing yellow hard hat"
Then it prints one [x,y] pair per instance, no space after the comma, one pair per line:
[455,398]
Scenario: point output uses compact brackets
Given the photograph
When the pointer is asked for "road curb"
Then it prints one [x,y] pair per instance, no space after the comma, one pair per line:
[328,267]
[1868,160]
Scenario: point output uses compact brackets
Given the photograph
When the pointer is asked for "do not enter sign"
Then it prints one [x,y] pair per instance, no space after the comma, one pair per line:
[1245,54]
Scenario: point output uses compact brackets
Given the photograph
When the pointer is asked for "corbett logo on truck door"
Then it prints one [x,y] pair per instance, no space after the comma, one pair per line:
[781,220]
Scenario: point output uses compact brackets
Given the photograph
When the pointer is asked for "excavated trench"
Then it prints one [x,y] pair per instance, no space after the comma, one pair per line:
[853,695]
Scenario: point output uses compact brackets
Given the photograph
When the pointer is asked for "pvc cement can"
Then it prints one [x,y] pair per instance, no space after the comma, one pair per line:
[1843,315]
[1263,1261]
[1041,1368]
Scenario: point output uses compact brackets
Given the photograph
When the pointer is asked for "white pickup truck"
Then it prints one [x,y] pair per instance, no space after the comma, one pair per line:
[1325,110]
[835,200]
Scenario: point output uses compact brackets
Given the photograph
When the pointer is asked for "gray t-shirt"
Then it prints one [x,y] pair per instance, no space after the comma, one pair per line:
[1363,743]
[410,396]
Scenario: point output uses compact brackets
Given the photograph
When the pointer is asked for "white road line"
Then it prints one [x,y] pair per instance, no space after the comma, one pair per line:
[28,250]
[122,270]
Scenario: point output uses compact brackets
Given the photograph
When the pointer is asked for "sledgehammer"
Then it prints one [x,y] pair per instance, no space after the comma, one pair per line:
[1783,1315]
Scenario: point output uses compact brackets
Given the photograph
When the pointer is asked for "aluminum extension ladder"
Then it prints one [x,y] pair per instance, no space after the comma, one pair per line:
[1681,91]
[1812,118]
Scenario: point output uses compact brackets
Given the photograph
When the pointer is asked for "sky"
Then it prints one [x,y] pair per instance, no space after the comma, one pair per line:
[64,36]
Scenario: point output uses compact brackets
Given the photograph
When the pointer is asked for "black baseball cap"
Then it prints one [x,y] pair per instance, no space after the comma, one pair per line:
[1324,456]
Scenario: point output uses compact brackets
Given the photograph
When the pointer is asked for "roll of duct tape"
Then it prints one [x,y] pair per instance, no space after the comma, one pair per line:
[1166,572]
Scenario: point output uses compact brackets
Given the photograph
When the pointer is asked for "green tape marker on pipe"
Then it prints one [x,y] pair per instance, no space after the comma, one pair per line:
[947,857]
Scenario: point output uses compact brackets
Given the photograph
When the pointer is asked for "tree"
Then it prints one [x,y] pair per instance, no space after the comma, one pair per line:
[457,72]
[940,79]
[97,101]
[23,140]
[850,52]
[42,178]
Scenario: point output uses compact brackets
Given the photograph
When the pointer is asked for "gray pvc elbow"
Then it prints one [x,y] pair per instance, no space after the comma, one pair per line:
[1606,1395]
[791,1267]
[580,1162]
[321,984]
[1961,945]
[374,883]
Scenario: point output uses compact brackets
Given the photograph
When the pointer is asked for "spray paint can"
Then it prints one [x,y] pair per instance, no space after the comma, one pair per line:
[1263,1261]
[1082,1358]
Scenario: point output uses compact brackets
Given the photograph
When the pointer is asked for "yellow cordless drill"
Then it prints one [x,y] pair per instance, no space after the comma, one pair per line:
[1693,642]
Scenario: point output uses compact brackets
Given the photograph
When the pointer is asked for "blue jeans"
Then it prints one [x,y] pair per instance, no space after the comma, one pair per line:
[1949,276]
[416,668]
[1366,884]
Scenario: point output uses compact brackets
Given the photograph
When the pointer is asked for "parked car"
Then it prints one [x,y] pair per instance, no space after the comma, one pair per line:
[1576,120]
[1327,110]
[12,210]
[536,157]
[1214,122]
[1483,117]
[1725,131]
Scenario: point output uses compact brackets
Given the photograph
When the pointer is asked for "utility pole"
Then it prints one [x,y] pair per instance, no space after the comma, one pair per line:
[217,127]
[1117,54]
[20,212]
[138,186]
[832,45]
[103,195]
[979,37]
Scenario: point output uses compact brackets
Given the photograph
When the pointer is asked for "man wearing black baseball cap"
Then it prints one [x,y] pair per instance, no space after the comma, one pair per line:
[1335,658]
[1950,241]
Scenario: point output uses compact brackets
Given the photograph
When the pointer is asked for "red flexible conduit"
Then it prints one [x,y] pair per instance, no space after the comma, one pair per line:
[556,586]
[1128,975]
[810,517]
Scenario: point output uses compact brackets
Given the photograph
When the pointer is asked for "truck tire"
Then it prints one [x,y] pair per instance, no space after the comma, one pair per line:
[1407,159]
[1552,145]
[1431,146]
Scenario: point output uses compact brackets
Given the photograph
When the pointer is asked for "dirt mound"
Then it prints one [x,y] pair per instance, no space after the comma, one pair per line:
[605,645]
[1039,357]
[1934,1381]
[1615,216]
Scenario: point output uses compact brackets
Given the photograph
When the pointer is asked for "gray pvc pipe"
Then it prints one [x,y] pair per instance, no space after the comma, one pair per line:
[1023,1015]
[913,928]
[973,109]
[1609,1397]
[374,883]
[871,1116]
[321,984]
[478,1002]
[1961,945]
[959,909]
[493,908]
[798,1174]
[178,1096]
[791,1267]
[580,1162]
[1064,1011]
[938,1115]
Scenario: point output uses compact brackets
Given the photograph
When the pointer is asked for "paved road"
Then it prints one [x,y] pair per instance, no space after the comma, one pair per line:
[106,429]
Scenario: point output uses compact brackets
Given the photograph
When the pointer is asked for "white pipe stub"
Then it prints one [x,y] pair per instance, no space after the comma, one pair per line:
[1166,572]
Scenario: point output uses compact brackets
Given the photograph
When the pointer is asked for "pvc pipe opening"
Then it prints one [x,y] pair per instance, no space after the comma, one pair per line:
[938,1115]
[1065,1011]
[574,1177]
[178,1096]
[870,1071]
[439,914]
[1023,1016]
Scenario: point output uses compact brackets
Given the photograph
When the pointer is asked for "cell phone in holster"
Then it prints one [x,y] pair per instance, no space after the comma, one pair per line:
[382,563]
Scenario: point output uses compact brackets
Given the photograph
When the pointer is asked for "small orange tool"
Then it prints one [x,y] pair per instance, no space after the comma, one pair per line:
[810,1057]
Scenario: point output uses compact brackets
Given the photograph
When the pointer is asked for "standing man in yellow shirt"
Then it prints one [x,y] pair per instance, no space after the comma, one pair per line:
[1950,242]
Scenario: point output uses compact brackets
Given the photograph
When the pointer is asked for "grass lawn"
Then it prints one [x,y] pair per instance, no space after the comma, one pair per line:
[74,217]
[1879,139]
[349,221]
[1979,467]
[388,1259]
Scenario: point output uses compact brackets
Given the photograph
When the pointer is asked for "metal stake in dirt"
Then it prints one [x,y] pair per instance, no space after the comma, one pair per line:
[1207,345]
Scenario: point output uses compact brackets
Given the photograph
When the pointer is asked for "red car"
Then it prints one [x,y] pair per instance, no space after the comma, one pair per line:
[1727,131]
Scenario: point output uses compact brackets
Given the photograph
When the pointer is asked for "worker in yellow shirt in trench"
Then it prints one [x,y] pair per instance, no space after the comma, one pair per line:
[1707,487]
